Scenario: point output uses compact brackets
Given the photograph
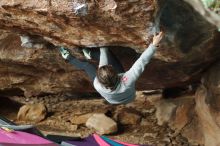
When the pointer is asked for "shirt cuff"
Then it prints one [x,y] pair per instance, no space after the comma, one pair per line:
[153,46]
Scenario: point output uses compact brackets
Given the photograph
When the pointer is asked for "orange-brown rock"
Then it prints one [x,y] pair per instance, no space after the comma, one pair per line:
[190,44]
[128,116]
[207,106]
[196,117]
[35,72]
[80,119]
[102,124]
[32,112]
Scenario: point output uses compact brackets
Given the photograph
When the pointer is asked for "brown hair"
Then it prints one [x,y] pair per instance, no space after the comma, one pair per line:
[108,77]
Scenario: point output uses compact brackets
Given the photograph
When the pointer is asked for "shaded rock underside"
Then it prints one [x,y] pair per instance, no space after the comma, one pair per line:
[190,44]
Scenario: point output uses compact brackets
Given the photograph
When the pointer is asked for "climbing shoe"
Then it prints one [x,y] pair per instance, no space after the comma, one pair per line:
[64,52]
[87,53]
[81,9]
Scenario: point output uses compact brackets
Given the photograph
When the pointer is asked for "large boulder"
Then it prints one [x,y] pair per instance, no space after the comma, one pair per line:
[190,45]
[207,105]
[102,124]
[196,117]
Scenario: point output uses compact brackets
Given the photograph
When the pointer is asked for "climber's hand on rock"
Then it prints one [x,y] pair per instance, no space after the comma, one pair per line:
[157,38]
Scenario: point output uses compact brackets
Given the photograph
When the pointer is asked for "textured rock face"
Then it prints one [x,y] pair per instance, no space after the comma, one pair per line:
[37,71]
[190,44]
[207,107]
[209,125]
[212,83]
[196,117]
[58,21]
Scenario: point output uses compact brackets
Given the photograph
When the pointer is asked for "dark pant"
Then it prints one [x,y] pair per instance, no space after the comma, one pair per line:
[90,69]
[112,60]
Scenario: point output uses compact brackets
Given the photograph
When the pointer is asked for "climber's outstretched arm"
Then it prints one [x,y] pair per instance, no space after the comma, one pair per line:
[137,69]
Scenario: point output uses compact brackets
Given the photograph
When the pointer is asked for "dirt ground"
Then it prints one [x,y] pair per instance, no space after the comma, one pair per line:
[62,107]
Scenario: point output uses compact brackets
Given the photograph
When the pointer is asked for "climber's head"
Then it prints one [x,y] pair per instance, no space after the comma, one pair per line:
[108,77]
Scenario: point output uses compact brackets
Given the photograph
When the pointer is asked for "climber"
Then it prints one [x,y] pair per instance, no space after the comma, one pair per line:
[110,81]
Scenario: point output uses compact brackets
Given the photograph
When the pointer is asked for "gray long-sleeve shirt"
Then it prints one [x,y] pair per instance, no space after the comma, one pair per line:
[125,91]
